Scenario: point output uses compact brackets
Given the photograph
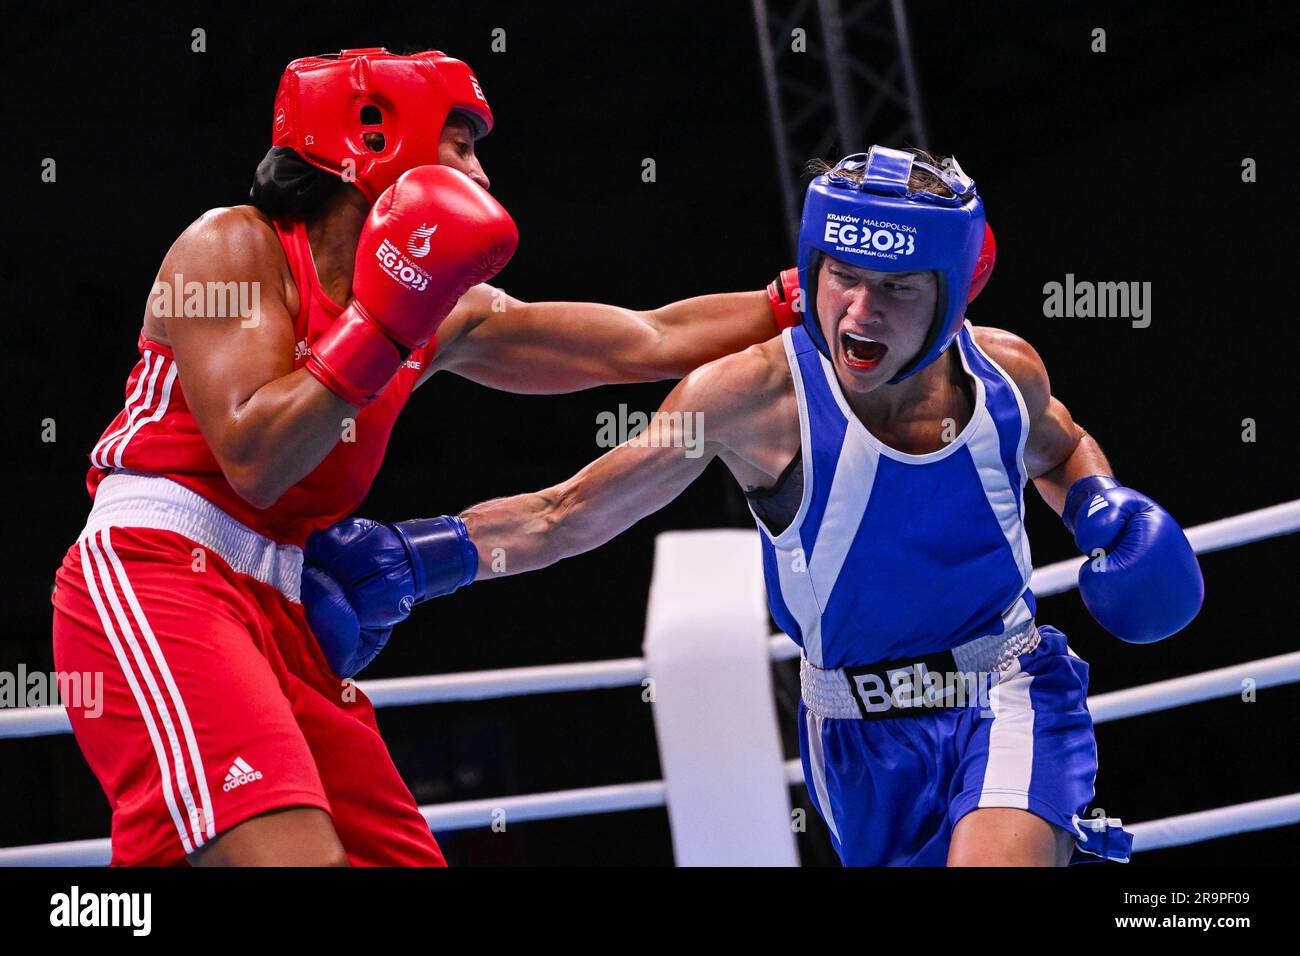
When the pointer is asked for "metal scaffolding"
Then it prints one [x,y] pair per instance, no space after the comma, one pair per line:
[846,81]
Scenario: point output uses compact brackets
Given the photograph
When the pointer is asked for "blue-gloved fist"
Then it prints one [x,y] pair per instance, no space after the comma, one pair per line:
[348,647]
[371,563]
[1141,581]
[361,577]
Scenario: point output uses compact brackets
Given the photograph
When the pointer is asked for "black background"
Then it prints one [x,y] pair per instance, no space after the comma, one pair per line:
[1122,166]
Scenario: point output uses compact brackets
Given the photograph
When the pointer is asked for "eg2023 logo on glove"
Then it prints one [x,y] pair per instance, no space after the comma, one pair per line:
[400,267]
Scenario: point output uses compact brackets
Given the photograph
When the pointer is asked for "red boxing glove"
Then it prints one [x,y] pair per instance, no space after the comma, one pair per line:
[983,265]
[429,237]
[783,293]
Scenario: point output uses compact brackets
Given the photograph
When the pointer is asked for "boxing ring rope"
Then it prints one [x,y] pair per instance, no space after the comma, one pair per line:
[1230,532]
[631,672]
[628,672]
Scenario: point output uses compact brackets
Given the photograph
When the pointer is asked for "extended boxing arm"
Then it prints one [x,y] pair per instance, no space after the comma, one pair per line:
[531,531]
[548,347]
[362,577]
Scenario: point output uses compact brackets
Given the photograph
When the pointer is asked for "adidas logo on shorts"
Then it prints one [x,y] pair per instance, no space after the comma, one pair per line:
[239,774]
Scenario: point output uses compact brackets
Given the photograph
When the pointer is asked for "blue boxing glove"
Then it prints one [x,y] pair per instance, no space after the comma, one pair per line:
[1148,583]
[361,577]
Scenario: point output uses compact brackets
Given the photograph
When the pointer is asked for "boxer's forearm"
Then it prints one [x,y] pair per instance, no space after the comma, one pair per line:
[533,531]
[604,499]
[516,534]
[698,330]
[552,347]
[1086,459]
[279,435]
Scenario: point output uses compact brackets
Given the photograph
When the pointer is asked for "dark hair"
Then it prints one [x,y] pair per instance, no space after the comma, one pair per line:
[285,183]
[921,180]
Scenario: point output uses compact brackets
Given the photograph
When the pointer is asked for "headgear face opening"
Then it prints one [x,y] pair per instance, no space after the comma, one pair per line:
[880,223]
[326,105]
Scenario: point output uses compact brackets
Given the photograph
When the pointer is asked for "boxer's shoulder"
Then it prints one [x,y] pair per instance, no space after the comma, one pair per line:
[226,244]
[1019,360]
[751,411]
[747,397]
[1000,344]
[233,234]
[754,374]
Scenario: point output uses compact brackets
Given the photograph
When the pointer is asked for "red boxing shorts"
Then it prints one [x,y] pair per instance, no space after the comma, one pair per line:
[217,704]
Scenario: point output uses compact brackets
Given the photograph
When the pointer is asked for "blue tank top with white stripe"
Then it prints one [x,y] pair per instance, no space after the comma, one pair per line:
[894,555]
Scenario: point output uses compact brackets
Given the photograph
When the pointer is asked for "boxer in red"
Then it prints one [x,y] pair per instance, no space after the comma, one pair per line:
[279,343]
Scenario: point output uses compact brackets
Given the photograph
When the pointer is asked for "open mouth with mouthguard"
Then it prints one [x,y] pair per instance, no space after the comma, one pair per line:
[861,352]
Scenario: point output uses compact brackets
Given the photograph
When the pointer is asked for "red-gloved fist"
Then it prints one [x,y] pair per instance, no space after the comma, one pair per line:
[429,237]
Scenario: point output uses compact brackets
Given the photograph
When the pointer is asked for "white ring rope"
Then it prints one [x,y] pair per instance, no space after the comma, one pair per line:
[441,817]
[1212,536]
[1179,691]
[513,682]
[630,672]
[1209,824]
[470,814]
[473,814]
[1052,579]
[34,722]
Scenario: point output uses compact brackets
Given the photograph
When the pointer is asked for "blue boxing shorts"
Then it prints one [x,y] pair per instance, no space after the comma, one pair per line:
[891,791]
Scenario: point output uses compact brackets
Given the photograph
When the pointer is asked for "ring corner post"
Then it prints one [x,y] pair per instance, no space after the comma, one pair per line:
[707,656]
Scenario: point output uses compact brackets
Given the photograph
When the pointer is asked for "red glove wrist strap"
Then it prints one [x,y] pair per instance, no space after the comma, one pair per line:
[354,359]
[781,293]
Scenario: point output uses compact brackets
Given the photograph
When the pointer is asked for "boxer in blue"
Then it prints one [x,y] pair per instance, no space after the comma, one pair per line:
[884,445]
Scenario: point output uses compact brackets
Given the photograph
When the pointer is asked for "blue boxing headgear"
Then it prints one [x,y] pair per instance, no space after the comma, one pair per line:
[880,223]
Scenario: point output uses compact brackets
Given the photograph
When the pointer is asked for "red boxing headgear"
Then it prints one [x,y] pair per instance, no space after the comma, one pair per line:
[326,104]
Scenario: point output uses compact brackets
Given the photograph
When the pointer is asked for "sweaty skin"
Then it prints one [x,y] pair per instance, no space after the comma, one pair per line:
[270,425]
[749,412]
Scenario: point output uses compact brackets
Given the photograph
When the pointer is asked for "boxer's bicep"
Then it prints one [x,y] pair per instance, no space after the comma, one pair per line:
[1056,444]
[1053,437]
[1058,451]
[241,335]
[1053,433]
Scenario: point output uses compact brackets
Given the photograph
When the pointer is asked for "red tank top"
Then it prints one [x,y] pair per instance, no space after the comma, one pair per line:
[156,432]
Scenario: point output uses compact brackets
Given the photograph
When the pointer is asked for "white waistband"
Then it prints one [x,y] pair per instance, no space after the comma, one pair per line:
[828,692]
[134,500]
